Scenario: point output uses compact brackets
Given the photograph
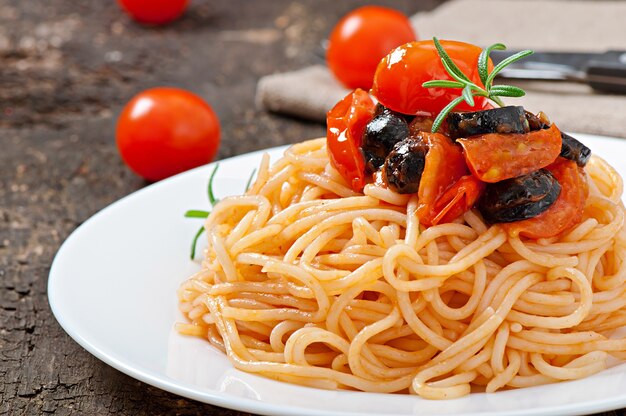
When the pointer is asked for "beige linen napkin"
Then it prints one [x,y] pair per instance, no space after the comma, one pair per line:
[540,25]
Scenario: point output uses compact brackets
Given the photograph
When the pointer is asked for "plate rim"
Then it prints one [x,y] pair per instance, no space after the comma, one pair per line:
[225,399]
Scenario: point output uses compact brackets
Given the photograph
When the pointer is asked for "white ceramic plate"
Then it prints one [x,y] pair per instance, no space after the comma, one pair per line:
[112,287]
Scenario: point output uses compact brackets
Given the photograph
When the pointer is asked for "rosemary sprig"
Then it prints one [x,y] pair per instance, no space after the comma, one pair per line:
[212,199]
[196,213]
[471,89]
[250,180]
[194,242]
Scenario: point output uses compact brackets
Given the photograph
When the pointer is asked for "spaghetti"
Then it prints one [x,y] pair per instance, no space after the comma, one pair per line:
[306,281]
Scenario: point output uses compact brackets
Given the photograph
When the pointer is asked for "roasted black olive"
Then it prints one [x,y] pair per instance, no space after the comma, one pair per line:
[519,198]
[537,122]
[511,119]
[385,130]
[381,109]
[574,150]
[404,166]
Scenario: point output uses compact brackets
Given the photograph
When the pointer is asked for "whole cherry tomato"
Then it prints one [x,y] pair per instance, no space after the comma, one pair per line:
[361,39]
[154,12]
[345,124]
[165,131]
[399,77]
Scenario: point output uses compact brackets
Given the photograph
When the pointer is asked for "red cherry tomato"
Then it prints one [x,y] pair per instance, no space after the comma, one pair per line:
[345,124]
[154,12]
[443,167]
[165,131]
[460,198]
[361,39]
[494,157]
[399,77]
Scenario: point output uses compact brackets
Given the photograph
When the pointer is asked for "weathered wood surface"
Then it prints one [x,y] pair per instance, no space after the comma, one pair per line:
[66,69]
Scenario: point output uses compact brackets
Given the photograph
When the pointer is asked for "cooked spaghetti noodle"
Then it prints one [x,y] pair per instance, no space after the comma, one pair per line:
[308,282]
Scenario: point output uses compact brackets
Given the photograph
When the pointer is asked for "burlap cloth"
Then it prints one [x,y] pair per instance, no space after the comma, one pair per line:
[593,26]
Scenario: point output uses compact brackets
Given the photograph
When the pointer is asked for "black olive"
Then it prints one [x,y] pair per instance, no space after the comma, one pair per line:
[385,130]
[404,166]
[535,122]
[381,109]
[519,198]
[511,119]
[574,150]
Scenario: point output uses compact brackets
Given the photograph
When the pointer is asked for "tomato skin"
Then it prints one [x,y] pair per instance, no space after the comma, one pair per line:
[399,77]
[345,124]
[460,198]
[567,210]
[443,167]
[494,157]
[361,39]
[165,131]
[154,12]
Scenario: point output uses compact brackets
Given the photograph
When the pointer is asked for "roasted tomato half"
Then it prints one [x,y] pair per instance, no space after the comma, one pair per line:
[443,167]
[494,157]
[345,124]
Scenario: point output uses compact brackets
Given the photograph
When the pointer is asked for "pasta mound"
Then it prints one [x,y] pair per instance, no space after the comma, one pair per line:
[308,282]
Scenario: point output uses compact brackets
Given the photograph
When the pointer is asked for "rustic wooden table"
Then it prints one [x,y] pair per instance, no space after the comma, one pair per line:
[66,69]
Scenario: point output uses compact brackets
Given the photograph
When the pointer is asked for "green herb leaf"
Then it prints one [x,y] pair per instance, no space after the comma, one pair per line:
[195,242]
[467,95]
[195,213]
[250,180]
[449,64]
[469,89]
[483,61]
[212,198]
[504,64]
[507,91]
[444,113]
[443,83]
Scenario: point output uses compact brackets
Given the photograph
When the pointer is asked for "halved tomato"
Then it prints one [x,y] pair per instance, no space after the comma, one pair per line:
[444,166]
[494,157]
[345,124]
[460,198]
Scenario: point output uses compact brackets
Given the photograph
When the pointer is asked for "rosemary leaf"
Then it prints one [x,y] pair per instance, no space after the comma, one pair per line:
[195,213]
[250,180]
[483,61]
[443,83]
[504,64]
[449,64]
[453,73]
[212,198]
[195,242]
[467,95]
[444,113]
[507,91]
